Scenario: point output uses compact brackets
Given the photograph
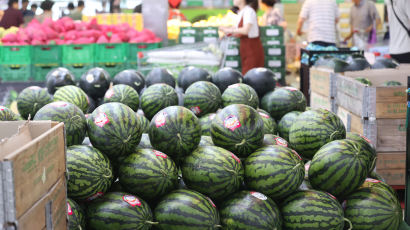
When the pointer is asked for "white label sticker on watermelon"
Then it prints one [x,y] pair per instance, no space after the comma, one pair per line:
[132,200]
[101,120]
[160,154]
[59,104]
[161,119]
[263,115]
[371,180]
[69,210]
[232,122]
[109,93]
[196,110]
[259,195]
[280,141]
[95,196]
[236,158]
[210,201]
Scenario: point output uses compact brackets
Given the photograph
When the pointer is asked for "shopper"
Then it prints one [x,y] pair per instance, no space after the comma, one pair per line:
[323,16]
[272,15]
[34,8]
[28,15]
[247,29]
[70,8]
[12,16]
[46,6]
[77,14]
[174,12]
[399,23]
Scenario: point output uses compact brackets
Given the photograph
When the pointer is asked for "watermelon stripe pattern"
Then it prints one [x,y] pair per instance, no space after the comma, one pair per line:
[186,210]
[206,122]
[76,215]
[276,171]
[156,98]
[202,98]
[227,172]
[367,147]
[144,123]
[339,168]
[148,173]
[240,94]
[31,100]
[286,123]
[269,139]
[7,115]
[123,94]
[120,211]
[282,101]
[269,124]
[73,95]
[313,129]
[145,143]
[206,141]
[89,172]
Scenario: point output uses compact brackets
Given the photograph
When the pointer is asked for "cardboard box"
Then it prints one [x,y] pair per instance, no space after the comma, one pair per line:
[32,160]
[393,160]
[393,176]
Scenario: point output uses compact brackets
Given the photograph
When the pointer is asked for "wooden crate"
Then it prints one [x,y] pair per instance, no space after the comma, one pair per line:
[391,160]
[323,82]
[393,177]
[318,101]
[373,102]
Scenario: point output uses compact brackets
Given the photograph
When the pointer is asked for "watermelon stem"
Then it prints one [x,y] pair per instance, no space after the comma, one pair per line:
[151,222]
[242,142]
[218,226]
[230,170]
[350,223]
[180,138]
[296,166]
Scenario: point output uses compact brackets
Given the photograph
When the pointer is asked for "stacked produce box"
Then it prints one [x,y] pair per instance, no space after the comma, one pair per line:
[15,64]
[233,59]
[273,42]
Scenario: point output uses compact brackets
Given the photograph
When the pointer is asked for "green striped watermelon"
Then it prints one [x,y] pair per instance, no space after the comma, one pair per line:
[205,122]
[123,94]
[249,210]
[119,211]
[74,120]
[175,131]
[32,99]
[89,172]
[206,141]
[269,139]
[368,148]
[310,209]
[202,98]
[73,95]
[373,183]
[238,128]
[376,176]
[144,123]
[157,97]
[339,167]
[145,143]
[7,115]
[313,129]
[240,94]
[76,215]
[114,129]
[269,124]
[187,210]
[213,171]
[148,173]
[373,207]
[276,171]
[286,123]
[282,101]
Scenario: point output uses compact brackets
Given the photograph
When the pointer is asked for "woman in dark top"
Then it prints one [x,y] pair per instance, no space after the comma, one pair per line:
[12,16]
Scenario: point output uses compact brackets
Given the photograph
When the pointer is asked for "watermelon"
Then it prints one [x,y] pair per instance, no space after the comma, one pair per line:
[363,80]
[181,97]
[339,168]
[276,171]
[131,78]
[378,184]
[247,210]
[7,114]
[392,83]
[269,124]
[206,141]
[202,98]
[206,122]
[157,97]
[260,79]
[144,122]
[123,94]
[239,129]
[185,209]
[374,207]
[175,131]
[213,171]
[92,104]
[312,209]
[73,95]
[313,129]
[57,78]
[145,143]
[95,82]
[286,123]
[89,172]
[32,99]
[282,101]
[376,176]
[148,173]
[240,94]
[367,147]
[160,75]
[226,77]
[269,139]
[383,63]
[76,215]
[114,129]
[119,211]
[73,118]
[191,75]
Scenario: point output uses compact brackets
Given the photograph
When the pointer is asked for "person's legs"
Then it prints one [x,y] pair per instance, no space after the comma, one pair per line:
[401,58]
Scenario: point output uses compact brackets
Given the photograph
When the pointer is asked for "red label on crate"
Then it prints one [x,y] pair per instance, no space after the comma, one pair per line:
[263,115]
[300,158]
[101,120]
[132,200]
[160,154]
[59,104]
[69,210]
[161,119]
[210,201]
[109,93]
[232,122]
[259,195]
[196,110]
[95,196]
[371,180]
[290,88]
[366,139]
[236,158]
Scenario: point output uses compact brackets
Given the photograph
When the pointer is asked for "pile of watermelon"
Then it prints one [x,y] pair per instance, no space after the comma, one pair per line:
[242,156]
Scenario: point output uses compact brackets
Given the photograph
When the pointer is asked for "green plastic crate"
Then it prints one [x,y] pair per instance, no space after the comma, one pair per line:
[189,35]
[10,73]
[39,72]
[275,51]
[134,48]
[208,34]
[275,62]
[108,53]
[112,68]
[14,55]
[47,54]
[271,31]
[78,54]
[233,62]
[272,41]
[78,69]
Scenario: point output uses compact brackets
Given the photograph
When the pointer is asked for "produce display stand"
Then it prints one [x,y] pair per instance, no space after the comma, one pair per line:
[407,195]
